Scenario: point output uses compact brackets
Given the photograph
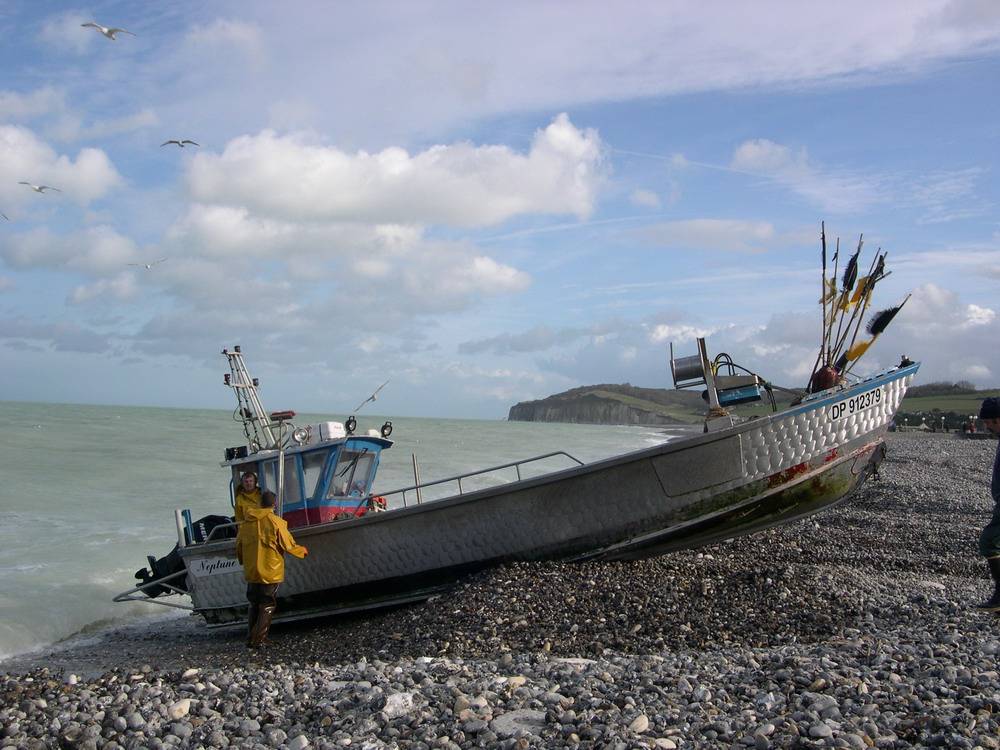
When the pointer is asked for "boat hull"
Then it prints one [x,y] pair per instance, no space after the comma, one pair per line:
[677,495]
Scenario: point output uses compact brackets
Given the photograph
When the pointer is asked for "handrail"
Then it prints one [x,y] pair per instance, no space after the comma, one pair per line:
[220,526]
[127,596]
[459,477]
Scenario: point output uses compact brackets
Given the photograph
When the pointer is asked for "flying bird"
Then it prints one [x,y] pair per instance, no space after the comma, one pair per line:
[109,33]
[4,216]
[179,143]
[39,188]
[372,397]
[149,265]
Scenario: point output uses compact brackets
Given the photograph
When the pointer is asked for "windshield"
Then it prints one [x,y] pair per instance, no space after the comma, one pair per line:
[352,474]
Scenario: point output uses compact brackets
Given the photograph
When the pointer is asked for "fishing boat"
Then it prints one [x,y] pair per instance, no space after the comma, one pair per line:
[738,476]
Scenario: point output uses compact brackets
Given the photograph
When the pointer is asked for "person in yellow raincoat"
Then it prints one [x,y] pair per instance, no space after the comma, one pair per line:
[247,495]
[261,544]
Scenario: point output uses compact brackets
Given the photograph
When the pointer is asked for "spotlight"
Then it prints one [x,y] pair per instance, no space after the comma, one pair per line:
[386,429]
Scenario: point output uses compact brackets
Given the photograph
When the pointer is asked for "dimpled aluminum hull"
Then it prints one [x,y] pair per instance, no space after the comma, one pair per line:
[681,494]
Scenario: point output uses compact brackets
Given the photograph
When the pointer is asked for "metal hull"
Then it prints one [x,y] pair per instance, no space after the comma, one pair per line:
[682,494]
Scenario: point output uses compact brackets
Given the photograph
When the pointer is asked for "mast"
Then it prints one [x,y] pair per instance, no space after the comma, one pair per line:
[249,407]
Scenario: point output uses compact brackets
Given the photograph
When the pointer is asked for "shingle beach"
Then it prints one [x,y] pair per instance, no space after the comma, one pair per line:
[853,628]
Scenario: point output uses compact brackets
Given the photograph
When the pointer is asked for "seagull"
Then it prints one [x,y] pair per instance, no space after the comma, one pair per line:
[5,218]
[371,397]
[109,33]
[39,188]
[147,266]
[179,143]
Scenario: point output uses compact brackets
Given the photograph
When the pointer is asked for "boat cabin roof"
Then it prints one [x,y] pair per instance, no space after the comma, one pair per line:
[324,445]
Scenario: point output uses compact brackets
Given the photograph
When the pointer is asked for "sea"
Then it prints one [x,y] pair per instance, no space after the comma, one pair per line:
[87,492]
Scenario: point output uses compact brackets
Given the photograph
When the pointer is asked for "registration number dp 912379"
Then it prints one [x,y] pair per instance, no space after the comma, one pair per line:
[856,404]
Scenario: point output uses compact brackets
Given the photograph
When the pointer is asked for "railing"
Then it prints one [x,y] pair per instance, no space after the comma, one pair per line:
[459,477]
[129,596]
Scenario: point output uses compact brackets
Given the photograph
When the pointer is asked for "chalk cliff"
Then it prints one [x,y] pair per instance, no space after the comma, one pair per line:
[613,404]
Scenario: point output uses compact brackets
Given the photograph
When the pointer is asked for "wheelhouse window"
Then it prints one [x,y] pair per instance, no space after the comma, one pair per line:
[312,469]
[351,476]
[292,491]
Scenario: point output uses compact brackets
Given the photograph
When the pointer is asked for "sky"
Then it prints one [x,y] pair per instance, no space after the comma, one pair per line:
[484,203]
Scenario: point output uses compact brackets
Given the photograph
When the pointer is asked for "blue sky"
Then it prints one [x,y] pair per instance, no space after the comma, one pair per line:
[483,203]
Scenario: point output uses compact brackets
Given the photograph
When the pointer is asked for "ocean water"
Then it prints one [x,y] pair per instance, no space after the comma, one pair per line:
[86,492]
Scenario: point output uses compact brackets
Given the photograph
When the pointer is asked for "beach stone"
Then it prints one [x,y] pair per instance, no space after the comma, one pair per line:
[520,720]
[189,673]
[475,726]
[664,743]
[135,720]
[517,681]
[275,736]
[299,743]
[639,724]
[820,731]
[398,704]
[179,708]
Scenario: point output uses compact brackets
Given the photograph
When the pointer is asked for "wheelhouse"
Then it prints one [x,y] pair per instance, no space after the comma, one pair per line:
[326,482]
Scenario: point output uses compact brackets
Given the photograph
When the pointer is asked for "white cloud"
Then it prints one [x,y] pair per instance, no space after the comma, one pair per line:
[23,156]
[96,250]
[947,195]
[425,71]
[120,287]
[535,339]
[225,31]
[645,198]
[979,316]
[70,127]
[837,192]
[59,336]
[6,283]
[459,184]
[665,332]
[16,106]
[712,234]
[62,32]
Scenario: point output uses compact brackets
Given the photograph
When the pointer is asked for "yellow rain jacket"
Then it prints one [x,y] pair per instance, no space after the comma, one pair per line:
[245,500]
[261,544]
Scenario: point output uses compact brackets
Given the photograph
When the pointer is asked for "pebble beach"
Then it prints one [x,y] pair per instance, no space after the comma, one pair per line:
[853,628]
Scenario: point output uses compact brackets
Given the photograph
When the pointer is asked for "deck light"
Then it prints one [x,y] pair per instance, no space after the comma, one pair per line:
[302,435]
[386,430]
[351,425]
[226,378]
[256,382]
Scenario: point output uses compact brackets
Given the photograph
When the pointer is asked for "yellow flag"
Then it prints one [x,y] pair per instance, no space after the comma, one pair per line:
[831,291]
[845,300]
[858,349]
[859,290]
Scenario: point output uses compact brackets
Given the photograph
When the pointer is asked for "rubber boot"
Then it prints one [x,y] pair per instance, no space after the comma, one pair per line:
[253,614]
[993,603]
[262,625]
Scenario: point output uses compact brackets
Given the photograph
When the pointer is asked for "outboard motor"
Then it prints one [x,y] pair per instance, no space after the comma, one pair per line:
[172,563]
